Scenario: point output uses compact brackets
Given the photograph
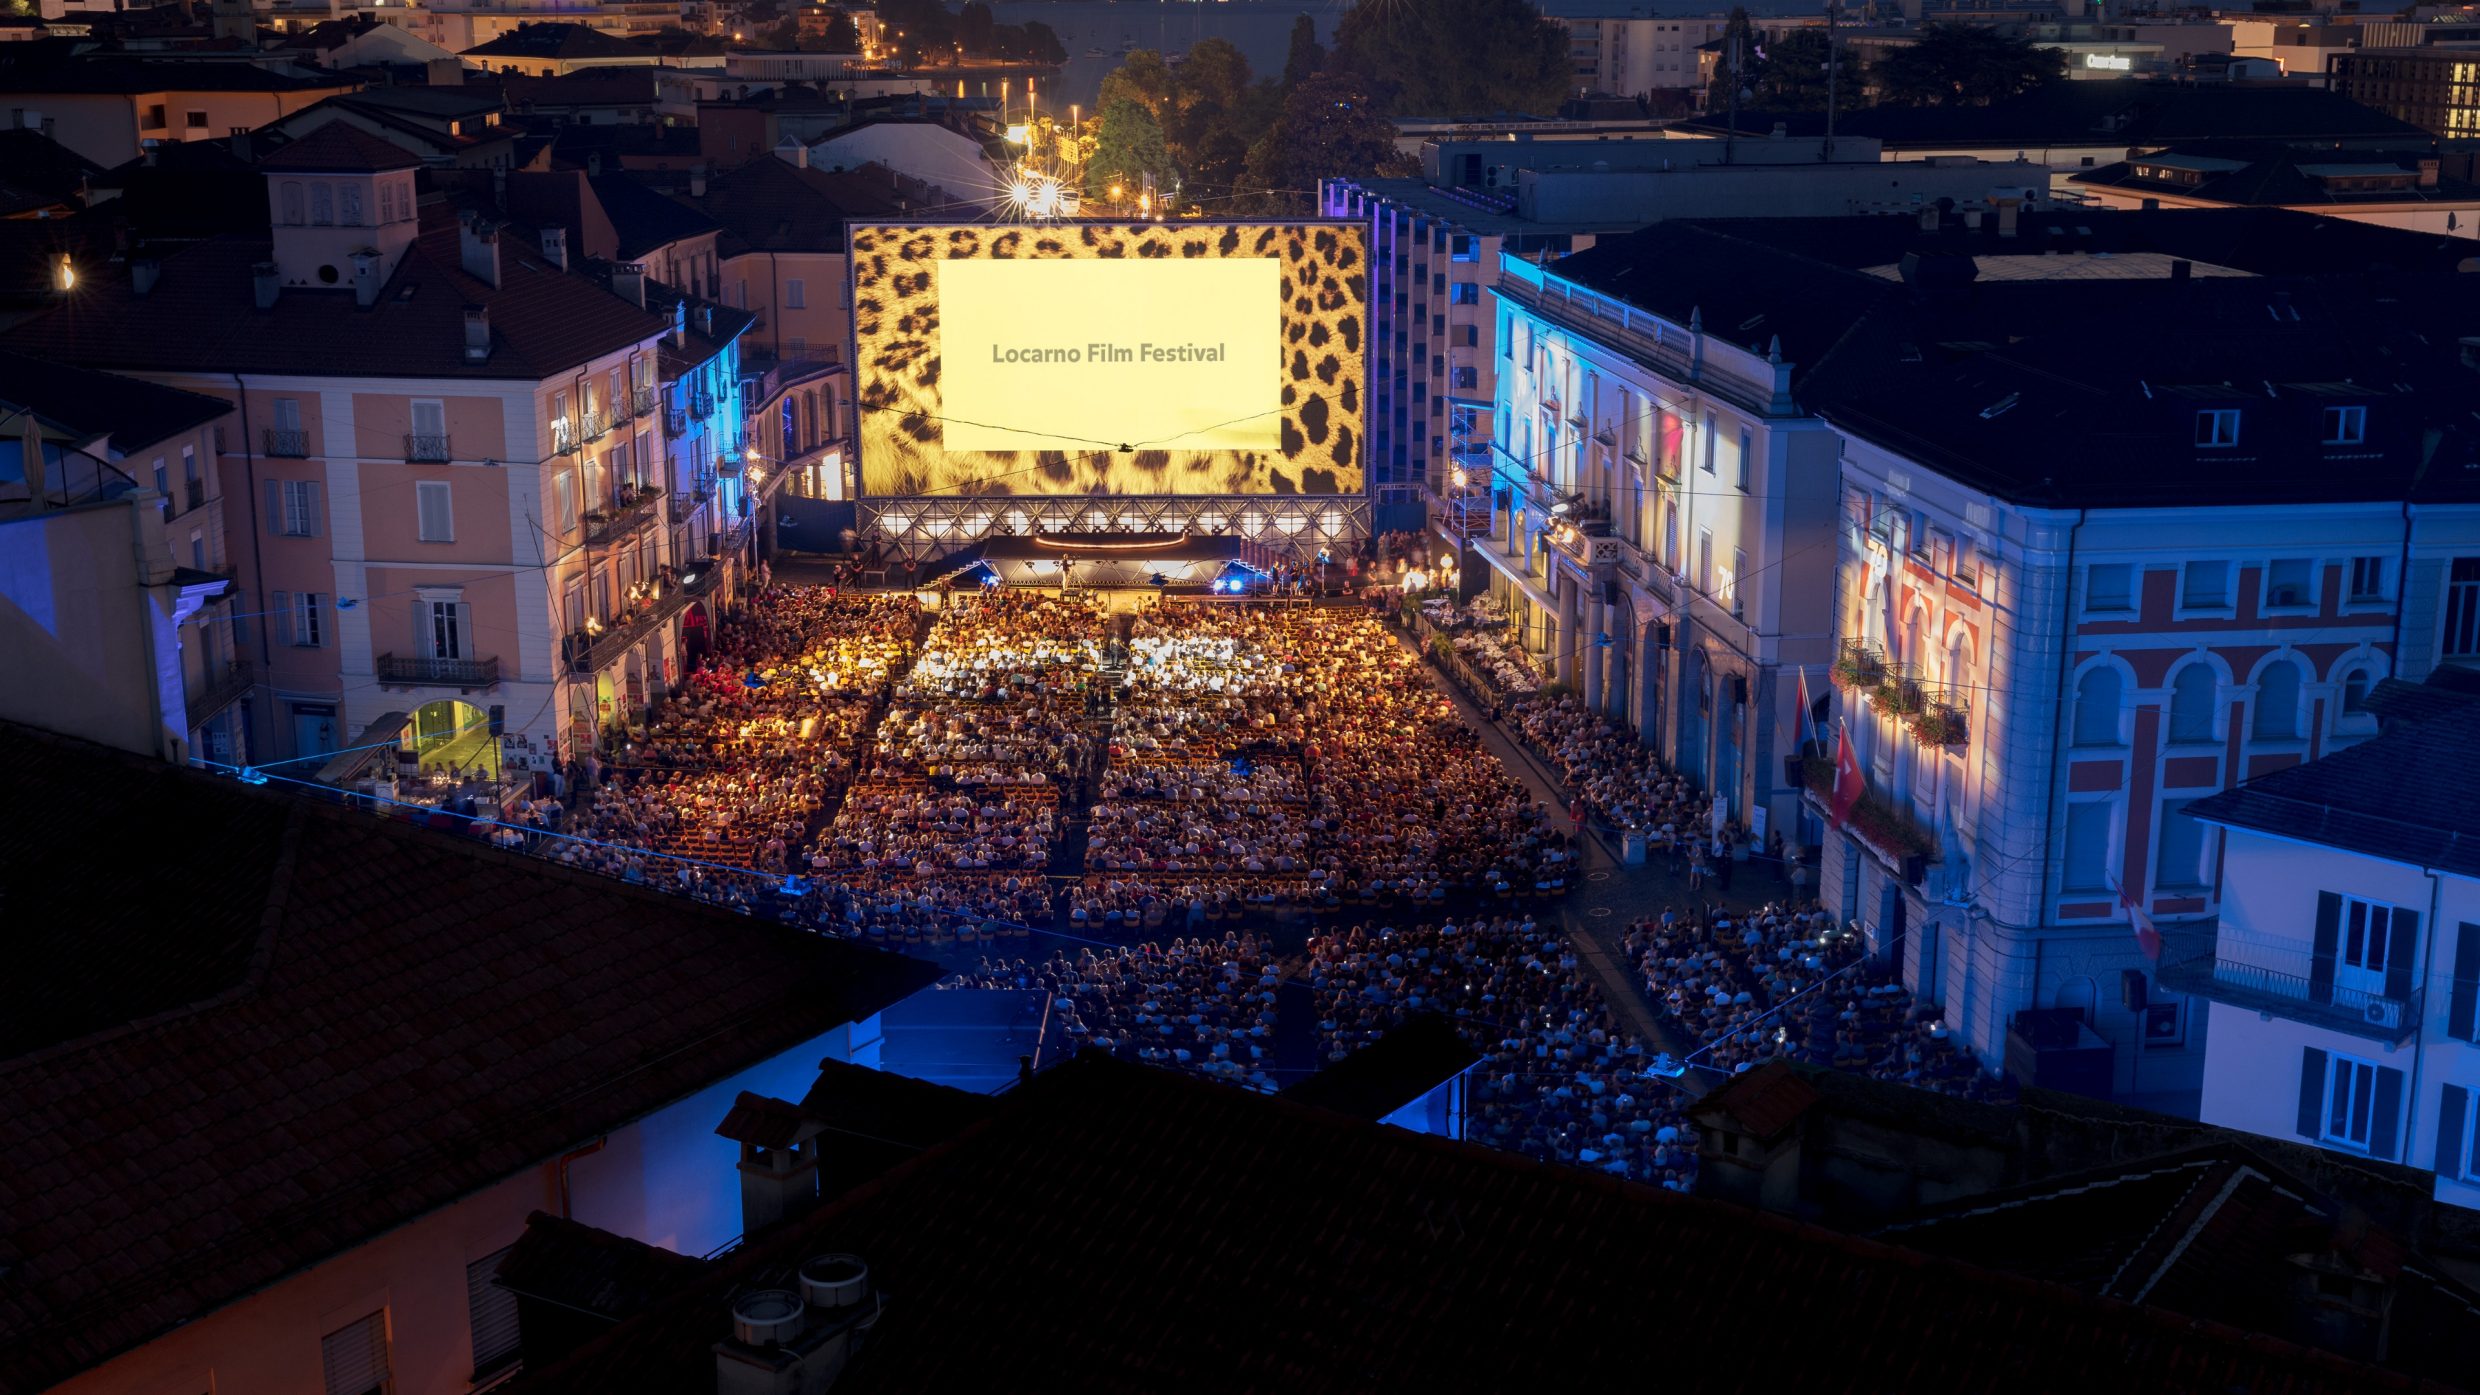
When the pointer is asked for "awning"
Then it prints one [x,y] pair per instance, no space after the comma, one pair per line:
[347,765]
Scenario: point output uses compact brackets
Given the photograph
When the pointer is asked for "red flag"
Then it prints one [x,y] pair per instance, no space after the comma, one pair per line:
[2148,938]
[1849,783]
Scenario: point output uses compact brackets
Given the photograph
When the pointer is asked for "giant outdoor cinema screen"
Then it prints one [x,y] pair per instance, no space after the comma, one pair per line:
[1110,358]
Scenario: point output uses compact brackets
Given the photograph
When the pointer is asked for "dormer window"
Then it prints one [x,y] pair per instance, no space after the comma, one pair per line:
[2217,428]
[2346,426]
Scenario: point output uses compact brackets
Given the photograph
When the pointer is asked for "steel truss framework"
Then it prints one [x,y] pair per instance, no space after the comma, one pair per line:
[925,526]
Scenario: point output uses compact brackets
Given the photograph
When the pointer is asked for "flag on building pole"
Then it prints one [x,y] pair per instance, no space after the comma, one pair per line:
[2148,936]
[1808,713]
[1849,783]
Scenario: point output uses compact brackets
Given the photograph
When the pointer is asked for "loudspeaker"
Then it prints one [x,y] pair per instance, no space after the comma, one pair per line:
[2131,989]
[499,720]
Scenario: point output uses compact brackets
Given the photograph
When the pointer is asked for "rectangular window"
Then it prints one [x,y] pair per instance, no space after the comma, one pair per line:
[2350,1103]
[435,514]
[2365,940]
[2165,1021]
[1746,448]
[796,295]
[309,620]
[2109,588]
[429,438]
[2205,586]
[493,1313]
[2180,859]
[1705,560]
[564,500]
[194,120]
[2088,846]
[2367,579]
[1730,579]
[355,1357]
[155,117]
[1709,443]
[2290,583]
[294,507]
[2217,427]
[448,627]
[2462,636]
[2346,426]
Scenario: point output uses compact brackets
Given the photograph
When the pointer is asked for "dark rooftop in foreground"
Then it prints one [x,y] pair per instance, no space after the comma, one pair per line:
[1390,1072]
[2405,795]
[1118,1228]
[132,412]
[302,1026]
[2133,112]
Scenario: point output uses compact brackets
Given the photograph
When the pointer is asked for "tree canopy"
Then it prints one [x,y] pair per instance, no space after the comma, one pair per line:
[1128,146]
[1330,128]
[1963,65]
[1447,57]
[1306,55]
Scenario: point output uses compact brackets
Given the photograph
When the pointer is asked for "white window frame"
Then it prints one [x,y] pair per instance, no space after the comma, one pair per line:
[2307,602]
[308,627]
[2134,592]
[2360,963]
[796,293]
[2346,426]
[425,491]
[2189,604]
[2356,1081]
[2353,569]
[2217,428]
[299,500]
[564,500]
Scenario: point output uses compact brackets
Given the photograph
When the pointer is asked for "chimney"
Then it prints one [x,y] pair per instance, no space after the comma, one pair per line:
[2007,209]
[798,1341]
[697,180]
[706,320]
[143,273]
[680,323]
[793,153]
[263,284]
[555,247]
[444,72]
[477,245]
[477,333]
[1972,219]
[369,276]
[1929,219]
[241,146]
[628,281]
[2428,171]
[2182,269]
[779,1159]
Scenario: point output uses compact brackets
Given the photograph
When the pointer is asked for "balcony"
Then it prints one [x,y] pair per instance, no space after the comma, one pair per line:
[675,422]
[286,444]
[2268,979]
[1944,718]
[193,495]
[408,671]
[222,688]
[592,652]
[635,506]
[423,449]
[641,402]
[563,435]
[593,426]
[701,403]
[1858,665]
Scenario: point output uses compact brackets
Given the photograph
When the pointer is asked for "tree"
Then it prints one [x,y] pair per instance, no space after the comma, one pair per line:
[842,36]
[1217,152]
[1306,56]
[1041,44]
[1330,129]
[1963,65]
[786,35]
[1128,146]
[1739,44]
[1142,77]
[973,28]
[1443,57]
[1793,74]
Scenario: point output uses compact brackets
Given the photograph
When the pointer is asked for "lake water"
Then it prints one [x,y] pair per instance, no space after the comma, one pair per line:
[1263,31]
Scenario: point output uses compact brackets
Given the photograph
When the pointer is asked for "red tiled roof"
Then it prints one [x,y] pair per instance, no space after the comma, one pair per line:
[200,317]
[288,1027]
[340,147]
[1117,1228]
[1764,1101]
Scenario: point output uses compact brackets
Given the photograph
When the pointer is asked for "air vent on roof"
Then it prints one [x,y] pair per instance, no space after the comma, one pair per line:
[769,1317]
[1751,322]
[835,1281]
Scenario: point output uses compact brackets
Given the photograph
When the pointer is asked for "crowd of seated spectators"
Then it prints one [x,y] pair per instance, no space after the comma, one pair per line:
[1755,986]
[951,829]
[1559,1079]
[1200,1004]
[1619,778]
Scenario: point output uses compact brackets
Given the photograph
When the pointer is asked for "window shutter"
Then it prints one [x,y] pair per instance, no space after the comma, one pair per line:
[2328,931]
[2382,1128]
[2464,981]
[494,1313]
[356,1357]
[425,641]
[2401,943]
[2311,1092]
[280,606]
[275,507]
[2450,1108]
[464,631]
[312,513]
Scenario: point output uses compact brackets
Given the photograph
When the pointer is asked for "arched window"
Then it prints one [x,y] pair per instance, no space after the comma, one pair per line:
[2277,702]
[291,196]
[349,204]
[2355,684]
[322,205]
[2193,695]
[2096,707]
[1959,661]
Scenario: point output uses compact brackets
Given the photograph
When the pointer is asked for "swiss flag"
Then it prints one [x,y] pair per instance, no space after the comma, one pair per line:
[1849,783]
[2148,938]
